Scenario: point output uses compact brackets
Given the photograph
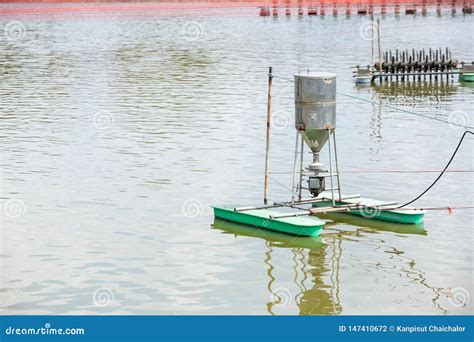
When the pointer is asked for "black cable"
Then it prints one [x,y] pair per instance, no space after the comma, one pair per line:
[440,175]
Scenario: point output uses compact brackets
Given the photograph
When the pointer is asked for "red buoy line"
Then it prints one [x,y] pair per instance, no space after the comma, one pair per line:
[369,9]
[288,7]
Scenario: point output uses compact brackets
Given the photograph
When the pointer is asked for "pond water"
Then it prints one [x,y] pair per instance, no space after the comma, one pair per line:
[119,133]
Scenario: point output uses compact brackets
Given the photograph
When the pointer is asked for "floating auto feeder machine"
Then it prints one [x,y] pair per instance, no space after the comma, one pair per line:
[315,123]
[415,65]
[403,65]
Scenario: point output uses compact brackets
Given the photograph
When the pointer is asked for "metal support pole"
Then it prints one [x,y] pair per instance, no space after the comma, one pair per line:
[330,168]
[267,144]
[337,166]
[301,168]
[373,47]
[293,188]
[380,51]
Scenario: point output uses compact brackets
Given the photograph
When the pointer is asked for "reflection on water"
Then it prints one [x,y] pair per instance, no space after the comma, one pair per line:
[314,296]
[428,91]
[316,262]
[374,225]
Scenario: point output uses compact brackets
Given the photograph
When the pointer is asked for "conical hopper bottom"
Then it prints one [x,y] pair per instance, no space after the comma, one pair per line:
[315,138]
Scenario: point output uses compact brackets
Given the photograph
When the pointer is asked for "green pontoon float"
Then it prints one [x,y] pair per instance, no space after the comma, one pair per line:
[369,209]
[467,72]
[467,77]
[262,218]
[334,219]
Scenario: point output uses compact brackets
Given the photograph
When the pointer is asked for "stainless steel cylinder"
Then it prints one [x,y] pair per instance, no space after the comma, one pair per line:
[315,107]
[315,87]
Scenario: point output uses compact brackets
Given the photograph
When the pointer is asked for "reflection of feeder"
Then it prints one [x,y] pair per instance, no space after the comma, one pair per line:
[420,91]
[322,296]
[317,261]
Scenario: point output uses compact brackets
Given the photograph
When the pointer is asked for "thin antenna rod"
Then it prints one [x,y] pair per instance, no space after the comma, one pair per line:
[373,47]
[267,144]
[380,51]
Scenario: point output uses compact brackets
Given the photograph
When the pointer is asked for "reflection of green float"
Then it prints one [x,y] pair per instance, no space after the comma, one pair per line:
[468,84]
[274,238]
[393,227]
